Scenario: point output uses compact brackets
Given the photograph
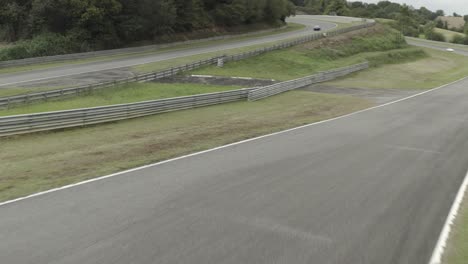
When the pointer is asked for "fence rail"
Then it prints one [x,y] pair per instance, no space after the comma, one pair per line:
[22,124]
[282,87]
[7,102]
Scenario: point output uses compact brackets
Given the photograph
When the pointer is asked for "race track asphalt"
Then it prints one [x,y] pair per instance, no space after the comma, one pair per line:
[437,45]
[372,187]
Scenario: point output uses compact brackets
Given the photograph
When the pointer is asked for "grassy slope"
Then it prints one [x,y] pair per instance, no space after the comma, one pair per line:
[457,250]
[327,54]
[448,34]
[130,93]
[440,68]
[38,162]
[4,92]
[273,65]
[150,67]
[290,27]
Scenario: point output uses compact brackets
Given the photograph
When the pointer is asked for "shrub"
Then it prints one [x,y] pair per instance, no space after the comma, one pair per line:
[458,39]
[436,36]
[387,40]
[396,56]
[46,44]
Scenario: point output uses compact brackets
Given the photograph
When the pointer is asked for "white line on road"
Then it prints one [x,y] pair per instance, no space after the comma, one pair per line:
[444,235]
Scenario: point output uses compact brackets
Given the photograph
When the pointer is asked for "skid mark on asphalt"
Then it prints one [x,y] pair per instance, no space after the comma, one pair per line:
[412,149]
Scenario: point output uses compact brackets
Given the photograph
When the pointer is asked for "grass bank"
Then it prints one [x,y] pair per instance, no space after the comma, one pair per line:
[150,67]
[379,45]
[128,93]
[38,162]
[448,34]
[12,91]
[456,252]
[437,69]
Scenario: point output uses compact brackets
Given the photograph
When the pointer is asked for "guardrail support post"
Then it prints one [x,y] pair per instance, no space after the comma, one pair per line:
[220,62]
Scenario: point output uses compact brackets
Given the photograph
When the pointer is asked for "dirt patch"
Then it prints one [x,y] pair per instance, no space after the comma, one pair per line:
[378,96]
[217,80]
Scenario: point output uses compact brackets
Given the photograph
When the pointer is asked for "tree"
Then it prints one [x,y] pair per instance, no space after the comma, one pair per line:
[338,7]
[440,13]
[97,24]
[406,23]
[12,17]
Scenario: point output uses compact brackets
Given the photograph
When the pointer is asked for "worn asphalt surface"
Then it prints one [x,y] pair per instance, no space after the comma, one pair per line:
[373,187]
[64,72]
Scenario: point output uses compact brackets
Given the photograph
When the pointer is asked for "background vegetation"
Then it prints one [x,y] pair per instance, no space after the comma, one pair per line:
[50,27]
[407,19]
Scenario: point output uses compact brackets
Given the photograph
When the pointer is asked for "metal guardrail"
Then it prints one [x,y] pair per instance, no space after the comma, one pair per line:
[7,102]
[22,124]
[282,87]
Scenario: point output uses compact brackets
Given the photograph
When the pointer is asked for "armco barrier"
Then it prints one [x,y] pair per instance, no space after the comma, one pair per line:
[7,102]
[21,124]
[282,87]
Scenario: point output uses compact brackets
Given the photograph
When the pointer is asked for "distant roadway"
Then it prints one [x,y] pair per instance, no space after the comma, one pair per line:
[63,71]
[372,187]
[458,49]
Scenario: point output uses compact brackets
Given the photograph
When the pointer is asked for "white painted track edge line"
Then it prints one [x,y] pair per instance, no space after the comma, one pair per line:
[440,247]
[224,146]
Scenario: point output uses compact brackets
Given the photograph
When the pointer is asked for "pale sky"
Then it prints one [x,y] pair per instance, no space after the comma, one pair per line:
[449,6]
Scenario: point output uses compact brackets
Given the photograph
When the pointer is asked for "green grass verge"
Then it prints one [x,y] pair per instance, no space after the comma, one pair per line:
[5,92]
[128,93]
[313,57]
[384,20]
[289,28]
[160,65]
[448,34]
[3,45]
[38,162]
[437,69]
[457,249]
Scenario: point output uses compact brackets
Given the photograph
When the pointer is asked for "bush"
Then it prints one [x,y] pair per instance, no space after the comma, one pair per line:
[458,39]
[387,40]
[436,36]
[396,56]
[46,44]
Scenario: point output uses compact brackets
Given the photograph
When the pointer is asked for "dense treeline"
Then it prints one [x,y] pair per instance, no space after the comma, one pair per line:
[410,21]
[80,25]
